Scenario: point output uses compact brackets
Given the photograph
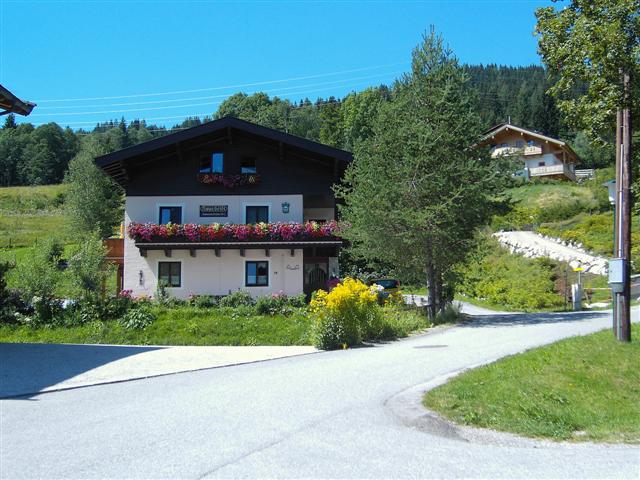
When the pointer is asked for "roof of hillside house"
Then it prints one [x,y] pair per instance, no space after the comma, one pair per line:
[226,125]
[502,127]
[9,103]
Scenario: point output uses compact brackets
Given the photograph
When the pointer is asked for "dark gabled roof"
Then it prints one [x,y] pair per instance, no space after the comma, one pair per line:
[221,124]
[9,103]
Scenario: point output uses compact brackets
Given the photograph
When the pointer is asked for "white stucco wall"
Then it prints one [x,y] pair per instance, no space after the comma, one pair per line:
[145,209]
[207,274]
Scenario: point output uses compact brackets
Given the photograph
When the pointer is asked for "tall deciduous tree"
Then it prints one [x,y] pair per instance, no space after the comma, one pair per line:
[94,200]
[587,45]
[417,190]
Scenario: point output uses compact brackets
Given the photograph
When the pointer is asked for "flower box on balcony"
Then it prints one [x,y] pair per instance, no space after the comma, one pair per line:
[229,180]
[216,232]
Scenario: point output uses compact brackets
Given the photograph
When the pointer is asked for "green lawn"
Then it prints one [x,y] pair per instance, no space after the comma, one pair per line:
[536,203]
[178,326]
[580,389]
[25,230]
[31,214]
[203,326]
[31,199]
[546,194]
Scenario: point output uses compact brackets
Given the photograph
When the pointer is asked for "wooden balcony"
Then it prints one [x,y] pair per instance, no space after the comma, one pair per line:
[532,150]
[115,250]
[553,170]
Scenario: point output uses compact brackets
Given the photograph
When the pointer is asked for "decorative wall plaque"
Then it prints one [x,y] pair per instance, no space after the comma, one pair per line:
[214,210]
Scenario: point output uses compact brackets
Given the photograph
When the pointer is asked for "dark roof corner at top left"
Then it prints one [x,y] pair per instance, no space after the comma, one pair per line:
[9,103]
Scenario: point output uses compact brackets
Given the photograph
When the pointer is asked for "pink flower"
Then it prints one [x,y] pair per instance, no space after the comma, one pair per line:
[234,232]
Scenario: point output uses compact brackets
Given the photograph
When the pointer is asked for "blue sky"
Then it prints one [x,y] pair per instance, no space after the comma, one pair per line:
[89,61]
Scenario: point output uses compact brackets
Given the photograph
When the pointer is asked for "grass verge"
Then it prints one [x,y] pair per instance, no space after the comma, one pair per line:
[580,389]
[203,326]
[177,326]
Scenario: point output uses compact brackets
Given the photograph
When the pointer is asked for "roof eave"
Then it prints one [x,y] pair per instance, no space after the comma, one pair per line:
[220,124]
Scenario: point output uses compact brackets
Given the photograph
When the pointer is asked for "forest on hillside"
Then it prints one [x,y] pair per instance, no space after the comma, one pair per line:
[40,155]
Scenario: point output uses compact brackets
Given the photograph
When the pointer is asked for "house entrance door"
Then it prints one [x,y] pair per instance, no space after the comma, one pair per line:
[316,274]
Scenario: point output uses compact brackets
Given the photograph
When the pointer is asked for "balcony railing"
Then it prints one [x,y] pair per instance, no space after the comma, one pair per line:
[560,169]
[529,150]
[500,151]
[532,150]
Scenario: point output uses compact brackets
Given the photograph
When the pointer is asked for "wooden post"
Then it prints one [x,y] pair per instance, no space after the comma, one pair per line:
[616,207]
[625,213]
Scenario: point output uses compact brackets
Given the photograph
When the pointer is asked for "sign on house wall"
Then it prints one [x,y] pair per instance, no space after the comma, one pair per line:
[214,210]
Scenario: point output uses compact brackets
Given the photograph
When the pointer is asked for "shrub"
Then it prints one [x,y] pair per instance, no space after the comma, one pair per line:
[7,308]
[401,320]
[494,275]
[38,277]
[89,270]
[237,299]
[450,314]
[162,294]
[279,303]
[117,306]
[137,318]
[204,301]
[346,315]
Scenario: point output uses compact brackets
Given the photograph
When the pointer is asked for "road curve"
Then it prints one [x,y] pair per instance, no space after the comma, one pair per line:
[320,416]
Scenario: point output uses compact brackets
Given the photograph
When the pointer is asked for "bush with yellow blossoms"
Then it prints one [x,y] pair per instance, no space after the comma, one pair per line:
[346,315]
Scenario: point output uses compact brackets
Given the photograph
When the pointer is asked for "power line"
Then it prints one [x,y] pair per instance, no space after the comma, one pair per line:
[160,108]
[194,116]
[242,85]
[155,102]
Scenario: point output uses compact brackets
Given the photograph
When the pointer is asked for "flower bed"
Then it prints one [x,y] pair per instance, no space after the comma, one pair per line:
[229,180]
[218,232]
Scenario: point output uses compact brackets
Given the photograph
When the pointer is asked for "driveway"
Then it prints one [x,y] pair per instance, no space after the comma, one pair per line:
[324,415]
[30,368]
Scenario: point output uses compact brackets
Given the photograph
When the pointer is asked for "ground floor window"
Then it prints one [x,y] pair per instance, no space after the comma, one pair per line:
[170,273]
[256,274]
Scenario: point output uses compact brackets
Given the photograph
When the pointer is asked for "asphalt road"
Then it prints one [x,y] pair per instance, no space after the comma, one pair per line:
[322,415]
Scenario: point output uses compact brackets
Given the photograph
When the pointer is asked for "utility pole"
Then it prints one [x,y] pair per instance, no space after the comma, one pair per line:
[622,224]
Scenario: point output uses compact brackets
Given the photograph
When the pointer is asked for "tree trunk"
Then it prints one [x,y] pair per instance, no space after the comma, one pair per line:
[442,302]
[431,289]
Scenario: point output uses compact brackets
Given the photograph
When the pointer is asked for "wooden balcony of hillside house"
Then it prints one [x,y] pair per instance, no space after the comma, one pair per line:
[563,169]
[528,151]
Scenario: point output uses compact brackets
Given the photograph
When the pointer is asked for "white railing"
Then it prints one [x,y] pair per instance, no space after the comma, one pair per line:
[561,169]
[499,151]
[532,150]
[585,173]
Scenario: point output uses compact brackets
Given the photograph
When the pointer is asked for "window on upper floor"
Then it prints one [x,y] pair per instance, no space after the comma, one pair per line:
[248,165]
[213,163]
[256,214]
[519,143]
[531,143]
[170,214]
